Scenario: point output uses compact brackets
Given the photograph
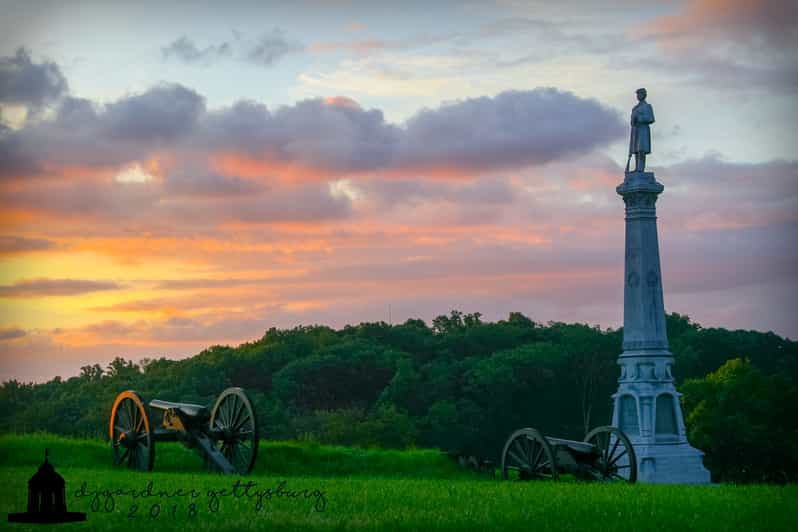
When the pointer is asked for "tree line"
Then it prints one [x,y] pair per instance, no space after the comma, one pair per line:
[461,385]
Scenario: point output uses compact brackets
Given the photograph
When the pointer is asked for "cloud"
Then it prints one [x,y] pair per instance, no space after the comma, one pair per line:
[86,135]
[706,70]
[265,51]
[510,130]
[363,46]
[328,136]
[10,245]
[775,21]
[85,199]
[729,43]
[163,113]
[466,200]
[27,288]
[184,50]
[22,82]
[202,183]
[203,201]
[549,39]
[11,333]
[734,195]
[316,139]
[552,254]
[271,47]
[301,203]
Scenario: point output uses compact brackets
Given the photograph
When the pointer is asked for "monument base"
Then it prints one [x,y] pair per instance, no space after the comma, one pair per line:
[670,464]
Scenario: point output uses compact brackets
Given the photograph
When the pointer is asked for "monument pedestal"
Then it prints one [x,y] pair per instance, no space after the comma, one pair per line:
[646,406]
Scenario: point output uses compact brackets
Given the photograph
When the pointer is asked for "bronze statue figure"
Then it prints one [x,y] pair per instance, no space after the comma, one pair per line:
[640,138]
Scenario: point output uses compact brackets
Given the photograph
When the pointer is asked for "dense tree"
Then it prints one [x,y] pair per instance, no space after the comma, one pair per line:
[746,421]
[461,384]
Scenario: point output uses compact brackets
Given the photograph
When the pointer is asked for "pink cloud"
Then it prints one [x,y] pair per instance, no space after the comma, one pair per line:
[774,21]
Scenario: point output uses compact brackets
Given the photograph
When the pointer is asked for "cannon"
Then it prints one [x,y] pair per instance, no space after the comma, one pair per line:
[226,436]
[606,455]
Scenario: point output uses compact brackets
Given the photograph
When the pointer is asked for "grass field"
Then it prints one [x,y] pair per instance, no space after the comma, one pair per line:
[364,490]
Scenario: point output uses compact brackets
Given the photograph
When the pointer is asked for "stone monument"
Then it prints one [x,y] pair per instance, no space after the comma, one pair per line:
[646,406]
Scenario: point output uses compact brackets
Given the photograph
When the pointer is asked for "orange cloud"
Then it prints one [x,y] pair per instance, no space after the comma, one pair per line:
[342,101]
[266,168]
[54,287]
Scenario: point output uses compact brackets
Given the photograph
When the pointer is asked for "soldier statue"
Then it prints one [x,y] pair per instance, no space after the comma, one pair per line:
[640,139]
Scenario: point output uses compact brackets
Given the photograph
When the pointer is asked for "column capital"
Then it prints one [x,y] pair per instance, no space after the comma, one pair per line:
[639,182]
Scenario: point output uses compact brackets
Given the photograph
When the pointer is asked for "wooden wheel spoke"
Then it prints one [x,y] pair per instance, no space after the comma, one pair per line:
[232,407]
[223,416]
[141,456]
[123,456]
[530,452]
[246,419]
[519,447]
[131,441]
[238,408]
[612,462]
[539,454]
[129,411]
[236,430]
[614,447]
[520,461]
[231,411]
[243,459]
[122,416]
[616,458]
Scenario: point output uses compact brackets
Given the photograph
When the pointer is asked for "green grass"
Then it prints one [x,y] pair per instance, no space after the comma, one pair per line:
[274,458]
[377,490]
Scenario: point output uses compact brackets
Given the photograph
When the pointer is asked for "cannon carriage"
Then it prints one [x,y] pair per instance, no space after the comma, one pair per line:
[606,455]
[226,435]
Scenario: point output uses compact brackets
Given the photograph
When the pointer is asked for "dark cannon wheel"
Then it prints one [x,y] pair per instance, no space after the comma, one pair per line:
[616,460]
[236,430]
[131,435]
[527,455]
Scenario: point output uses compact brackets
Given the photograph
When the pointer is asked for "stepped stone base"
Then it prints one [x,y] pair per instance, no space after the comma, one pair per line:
[670,464]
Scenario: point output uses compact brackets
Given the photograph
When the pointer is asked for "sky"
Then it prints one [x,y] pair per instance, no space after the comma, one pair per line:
[176,175]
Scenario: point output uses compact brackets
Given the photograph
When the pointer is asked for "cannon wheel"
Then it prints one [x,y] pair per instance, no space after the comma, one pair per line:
[131,436]
[530,454]
[235,427]
[617,460]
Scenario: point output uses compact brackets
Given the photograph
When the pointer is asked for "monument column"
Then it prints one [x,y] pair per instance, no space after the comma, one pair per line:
[646,406]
